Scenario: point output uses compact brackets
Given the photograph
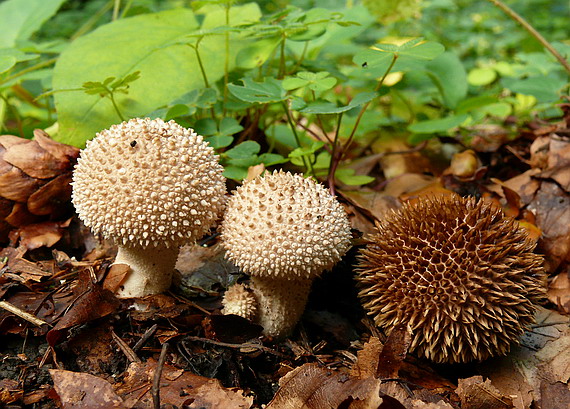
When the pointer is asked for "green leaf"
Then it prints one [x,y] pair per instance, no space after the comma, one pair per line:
[326,107]
[255,54]
[448,74]
[438,125]
[318,82]
[244,150]
[543,88]
[481,76]
[206,127]
[411,55]
[229,126]
[167,73]
[7,62]
[20,19]
[176,111]
[261,92]
[219,141]
[270,159]
[235,172]
[347,176]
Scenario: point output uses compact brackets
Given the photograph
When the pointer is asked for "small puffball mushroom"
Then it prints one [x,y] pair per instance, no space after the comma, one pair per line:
[462,275]
[283,230]
[151,186]
[239,300]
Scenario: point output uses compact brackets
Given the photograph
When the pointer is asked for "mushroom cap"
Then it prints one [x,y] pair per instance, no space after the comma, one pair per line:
[460,273]
[149,182]
[283,225]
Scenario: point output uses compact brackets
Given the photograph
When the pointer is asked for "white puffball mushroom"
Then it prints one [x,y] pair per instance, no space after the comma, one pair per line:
[239,300]
[283,230]
[151,186]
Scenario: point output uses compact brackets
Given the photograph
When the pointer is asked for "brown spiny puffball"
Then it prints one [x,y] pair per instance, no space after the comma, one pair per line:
[283,230]
[460,273]
[151,186]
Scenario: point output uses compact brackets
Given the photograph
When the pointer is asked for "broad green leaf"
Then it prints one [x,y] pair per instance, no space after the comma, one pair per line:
[448,74]
[176,111]
[411,55]
[235,173]
[244,150]
[229,126]
[326,107]
[167,73]
[206,127]
[347,176]
[270,159]
[438,125]
[7,62]
[19,19]
[471,104]
[219,141]
[256,53]
[318,82]
[543,88]
[262,92]
[481,76]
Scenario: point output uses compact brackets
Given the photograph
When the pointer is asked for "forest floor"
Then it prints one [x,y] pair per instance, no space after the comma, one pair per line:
[80,347]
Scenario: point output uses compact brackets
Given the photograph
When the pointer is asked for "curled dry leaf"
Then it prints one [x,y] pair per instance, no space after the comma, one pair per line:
[35,185]
[559,292]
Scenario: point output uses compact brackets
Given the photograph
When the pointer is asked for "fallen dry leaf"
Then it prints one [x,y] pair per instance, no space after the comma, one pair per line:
[476,394]
[84,391]
[536,372]
[559,292]
[313,387]
[177,387]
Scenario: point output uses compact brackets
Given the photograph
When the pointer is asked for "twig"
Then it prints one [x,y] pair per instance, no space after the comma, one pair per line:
[148,333]
[155,391]
[22,314]
[129,353]
[237,346]
[532,31]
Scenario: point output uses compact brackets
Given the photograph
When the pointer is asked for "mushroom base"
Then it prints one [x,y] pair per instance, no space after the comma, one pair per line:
[150,271]
[280,303]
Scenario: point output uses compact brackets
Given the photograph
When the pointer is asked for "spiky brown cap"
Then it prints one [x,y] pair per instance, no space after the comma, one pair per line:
[459,272]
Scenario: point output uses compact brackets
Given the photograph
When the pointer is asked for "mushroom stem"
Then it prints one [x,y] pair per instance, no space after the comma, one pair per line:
[280,303]
[150,271]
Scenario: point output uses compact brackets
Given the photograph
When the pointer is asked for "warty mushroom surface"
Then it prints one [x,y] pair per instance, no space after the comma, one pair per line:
[151,186]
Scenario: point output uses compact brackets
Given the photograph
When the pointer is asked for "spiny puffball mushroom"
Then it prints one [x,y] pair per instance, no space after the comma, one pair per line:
[239,300]
[151,186]
[460,273]
[283,230]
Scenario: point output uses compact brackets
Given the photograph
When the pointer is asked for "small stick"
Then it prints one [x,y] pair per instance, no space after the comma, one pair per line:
[22,314]
[129,353]
[237,346]
[157,374]
[148,333]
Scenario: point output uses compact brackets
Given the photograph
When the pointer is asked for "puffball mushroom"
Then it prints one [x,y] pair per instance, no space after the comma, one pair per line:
[457,271]
[151,186]
[283,230]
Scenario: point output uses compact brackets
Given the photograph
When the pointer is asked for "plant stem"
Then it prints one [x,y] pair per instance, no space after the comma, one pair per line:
[281,73]
[15,113]
[532,31]
[227,61]
[364,107]
[116,8]
[292,125]
[30,69]
[112,98]
[334,163]
[202,70]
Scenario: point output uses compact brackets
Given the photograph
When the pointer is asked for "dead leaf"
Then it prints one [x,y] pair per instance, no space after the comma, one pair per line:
[33,236]
[376,204]
[33,160]
[559,292]
[394,352]
[177,387]
[476,394]
[536,372]
[368,357]
[84,391]
[115,277]
[313,387]
[10,391]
